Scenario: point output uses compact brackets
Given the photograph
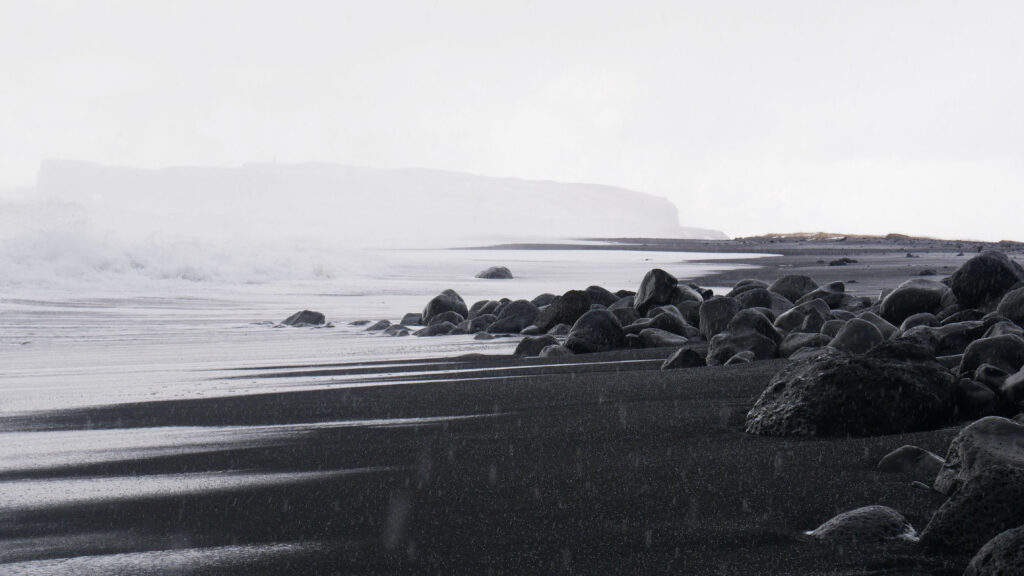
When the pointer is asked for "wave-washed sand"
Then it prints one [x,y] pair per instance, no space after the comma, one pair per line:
[592,465]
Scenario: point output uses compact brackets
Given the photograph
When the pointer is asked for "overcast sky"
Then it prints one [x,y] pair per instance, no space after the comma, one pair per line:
[751,116]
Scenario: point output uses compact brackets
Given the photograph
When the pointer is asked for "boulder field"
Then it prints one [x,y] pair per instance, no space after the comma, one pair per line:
[924,354]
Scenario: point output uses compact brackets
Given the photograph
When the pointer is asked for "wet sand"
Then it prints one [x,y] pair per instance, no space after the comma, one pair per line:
[597,464]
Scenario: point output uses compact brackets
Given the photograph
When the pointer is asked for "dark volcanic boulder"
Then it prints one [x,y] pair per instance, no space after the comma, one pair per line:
[440,329]
[543,299]
[915,296]
[595,331]
[1012,306]
[752,320]
[985,278]
[922,319]
[716,313]
[683,358]
[762,298]
[986,443]
[478,323]
[305,318]
[671,323]
[793,287]
[1001,556]
[683,293]
[892,389]
[798,340]
[864,525]
[560,330]
[533,345]
[796,318]
[496,273]
[378,326]
[884,327]
[412,319]
[857,337]
[655,290]
[514,317]
[566,309]
[626,316]
[449,316]
[1004,352]
[744,285]
[989,503]
[726,345]
[833,294]
[484,307]
[447,301]
[396,330]
[602,296]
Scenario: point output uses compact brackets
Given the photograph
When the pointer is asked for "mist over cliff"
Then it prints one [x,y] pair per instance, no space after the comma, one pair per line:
[262,222]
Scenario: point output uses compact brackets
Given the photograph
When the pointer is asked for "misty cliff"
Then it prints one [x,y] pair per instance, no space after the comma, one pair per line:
[347,202]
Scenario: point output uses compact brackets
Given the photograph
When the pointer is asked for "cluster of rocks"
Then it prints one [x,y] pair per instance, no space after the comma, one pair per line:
[982,476]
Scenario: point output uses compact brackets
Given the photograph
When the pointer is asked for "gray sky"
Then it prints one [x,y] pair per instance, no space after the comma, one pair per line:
[751,116]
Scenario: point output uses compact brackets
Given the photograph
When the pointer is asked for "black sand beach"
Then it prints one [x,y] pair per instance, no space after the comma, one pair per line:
[597,464]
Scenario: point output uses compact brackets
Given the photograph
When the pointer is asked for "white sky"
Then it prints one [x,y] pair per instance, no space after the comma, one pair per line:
[752,116]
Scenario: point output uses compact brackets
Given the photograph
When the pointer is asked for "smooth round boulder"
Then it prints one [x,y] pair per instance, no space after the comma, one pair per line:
[975,400]
[1012,390]
[986,443]
[1005,352]
[533,345]
[595,331]
[984,278]
[683,358]
[796,317]
[566,309]
[656,289]
[1012,306]
[412,319]
[543,300]
[920,319]
[305,318]
[602,296]
[744,285]
[495,273]
[887,329]
[990,502]
[716,313]
[378,326]
[484,307]
[726,345]
[514,317]
[857,337]
[474,325]
[683,293]
[447,301]
[867,524]
[797,340]
[894,388]
[793,286]
[560,330]
[1000,556]
[626,316]
[832,293]
[752,320]
[915,296]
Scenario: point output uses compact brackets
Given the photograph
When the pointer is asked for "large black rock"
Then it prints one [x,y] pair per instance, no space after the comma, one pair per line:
[533,345]
[656,289]
[305,318]
[793,287]
[985,278]
[1004,352]
[565,309]
[716,313]
[894,388]
[1012,306]
[595,331]
[602,296]
[514,317]
[496,273]
[447,301]
[915,296]
[833,293]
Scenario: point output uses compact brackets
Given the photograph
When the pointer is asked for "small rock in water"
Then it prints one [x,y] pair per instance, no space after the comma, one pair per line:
[305,318]
[867,524]
[495,273]
[484,336]
[437,329]
[381,325]
[359,323]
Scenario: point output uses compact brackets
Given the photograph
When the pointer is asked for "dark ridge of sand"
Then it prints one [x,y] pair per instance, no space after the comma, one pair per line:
[592,468]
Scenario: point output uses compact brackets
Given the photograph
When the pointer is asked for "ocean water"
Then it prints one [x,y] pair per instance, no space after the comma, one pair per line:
[121,336]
